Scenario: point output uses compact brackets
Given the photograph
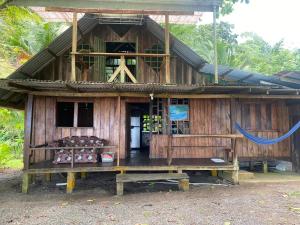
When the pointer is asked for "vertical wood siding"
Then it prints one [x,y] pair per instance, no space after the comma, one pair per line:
[218,116]
[105,124]
[181,72]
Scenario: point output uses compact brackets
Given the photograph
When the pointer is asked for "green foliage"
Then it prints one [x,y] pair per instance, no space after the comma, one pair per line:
[265,58]
[253,54]
[227,5]
[11,137]
[23,34]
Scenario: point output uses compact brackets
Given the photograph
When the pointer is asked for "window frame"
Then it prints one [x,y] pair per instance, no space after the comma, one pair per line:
[177,123]
[75,117]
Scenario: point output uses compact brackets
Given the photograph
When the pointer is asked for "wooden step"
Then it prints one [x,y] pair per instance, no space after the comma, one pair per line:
[134,177]
[183,178]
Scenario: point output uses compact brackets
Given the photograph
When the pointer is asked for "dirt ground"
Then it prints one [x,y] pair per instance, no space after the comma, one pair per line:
[93,202]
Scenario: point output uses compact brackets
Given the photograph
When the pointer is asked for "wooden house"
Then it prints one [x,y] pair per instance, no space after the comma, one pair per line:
[155,102]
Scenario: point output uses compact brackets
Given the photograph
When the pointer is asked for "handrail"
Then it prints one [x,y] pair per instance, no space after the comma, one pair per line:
[72,150]
[66,148]
[233,137]
[208,135]
[120,54]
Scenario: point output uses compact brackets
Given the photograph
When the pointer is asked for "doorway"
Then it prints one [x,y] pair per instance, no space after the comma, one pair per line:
[138,138]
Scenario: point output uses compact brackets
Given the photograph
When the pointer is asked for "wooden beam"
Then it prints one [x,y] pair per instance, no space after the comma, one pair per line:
[215,45]
[28,130]
[119,11]
[209,135]
[20,86]
[119,124]
[137,54]
[145,95]
[121,6]
[74,47]
[167,49]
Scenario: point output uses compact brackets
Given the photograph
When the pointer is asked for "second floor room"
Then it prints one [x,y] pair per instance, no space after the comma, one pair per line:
[133,45]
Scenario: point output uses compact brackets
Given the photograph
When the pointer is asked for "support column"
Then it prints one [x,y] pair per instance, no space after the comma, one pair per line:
[83,175]
[119,133]
[215,45]
[48,177]
[184,184]
[71,180]
[265,166]
[214,173]
[235,172]
[120,188]
[28,130]
[74,47]
[167,49]
[25,183]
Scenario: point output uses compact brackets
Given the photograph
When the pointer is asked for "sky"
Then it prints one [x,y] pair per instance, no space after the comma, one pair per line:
[273,20]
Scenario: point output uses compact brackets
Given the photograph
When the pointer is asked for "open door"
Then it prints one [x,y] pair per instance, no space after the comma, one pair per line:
[137,138]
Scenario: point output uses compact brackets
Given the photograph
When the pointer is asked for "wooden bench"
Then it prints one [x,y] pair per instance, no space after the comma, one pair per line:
[183,179]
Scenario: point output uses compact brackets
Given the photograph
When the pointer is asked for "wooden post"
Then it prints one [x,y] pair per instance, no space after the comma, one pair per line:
[48,177]
[25,183]
[71,180]
[167,49]
[28,130]
[120,188]
[169,150]
[215,44]
[214,173]
[83,175]
[184,184]
[119,133]
[122,73]
[235,173]
[265,166]
[74,47]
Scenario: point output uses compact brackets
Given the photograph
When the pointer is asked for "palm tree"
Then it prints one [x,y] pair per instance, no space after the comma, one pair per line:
[23,34]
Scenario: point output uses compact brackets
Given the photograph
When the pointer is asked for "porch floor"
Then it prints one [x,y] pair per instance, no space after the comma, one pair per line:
[135,164]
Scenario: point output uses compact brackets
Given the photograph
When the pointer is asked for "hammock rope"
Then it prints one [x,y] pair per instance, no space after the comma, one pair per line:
[265,141]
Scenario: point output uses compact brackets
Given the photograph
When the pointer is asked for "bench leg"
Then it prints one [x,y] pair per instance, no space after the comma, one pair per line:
[120,188]
[184,184]
[70,182]
[25,183]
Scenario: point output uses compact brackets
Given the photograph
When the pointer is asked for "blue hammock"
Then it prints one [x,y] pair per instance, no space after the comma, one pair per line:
[264,141]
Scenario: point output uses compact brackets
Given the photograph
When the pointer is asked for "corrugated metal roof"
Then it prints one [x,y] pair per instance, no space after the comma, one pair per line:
[91,86]
[88,22]
[242,76]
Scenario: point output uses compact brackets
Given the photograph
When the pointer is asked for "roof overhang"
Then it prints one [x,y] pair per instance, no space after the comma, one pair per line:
[43,86]
[147,7]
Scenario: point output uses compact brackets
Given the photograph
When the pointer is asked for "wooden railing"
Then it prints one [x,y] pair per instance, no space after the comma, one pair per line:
[95,148]
[233,138]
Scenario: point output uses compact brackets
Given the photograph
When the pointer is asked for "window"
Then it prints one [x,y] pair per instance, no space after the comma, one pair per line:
[179,116]
[74,114]
[85,114]
[64,114]
[154,62]
[113,62]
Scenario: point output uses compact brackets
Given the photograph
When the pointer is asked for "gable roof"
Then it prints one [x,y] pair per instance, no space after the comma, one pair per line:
[30,69]
[85,25]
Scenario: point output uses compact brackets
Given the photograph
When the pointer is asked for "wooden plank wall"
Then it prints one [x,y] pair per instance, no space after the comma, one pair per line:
[207,116]
[181,72]
[217,116]
[106,124]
